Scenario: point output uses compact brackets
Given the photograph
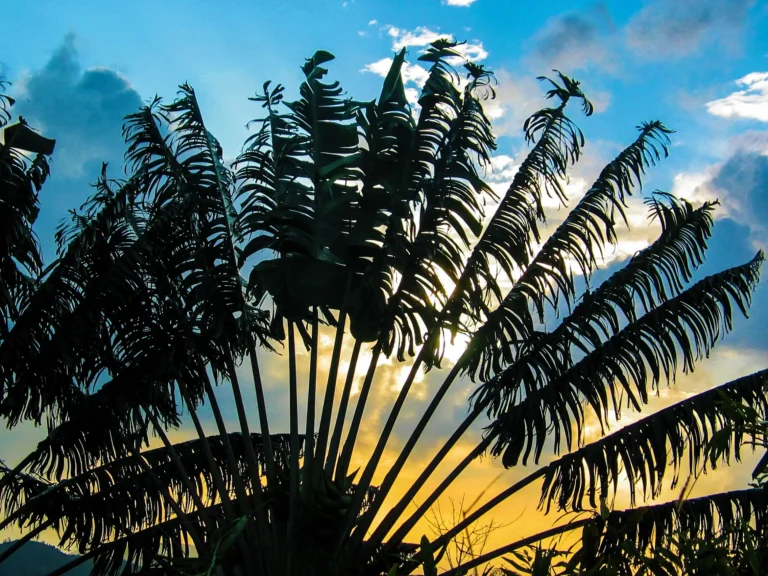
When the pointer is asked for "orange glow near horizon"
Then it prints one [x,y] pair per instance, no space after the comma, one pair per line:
[519,516]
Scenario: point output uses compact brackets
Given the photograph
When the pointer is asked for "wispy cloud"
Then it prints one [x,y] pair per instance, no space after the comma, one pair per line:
[752,102]
[575,40]
[674,28]
[459,2]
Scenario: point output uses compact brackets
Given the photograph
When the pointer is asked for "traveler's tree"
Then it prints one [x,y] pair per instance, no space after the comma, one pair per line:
[372,219]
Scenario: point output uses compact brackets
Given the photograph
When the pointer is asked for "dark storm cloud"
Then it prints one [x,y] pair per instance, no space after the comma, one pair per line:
[732,244]
[741,185]
[742,182]
[575,40]
[678,27]
[83,110]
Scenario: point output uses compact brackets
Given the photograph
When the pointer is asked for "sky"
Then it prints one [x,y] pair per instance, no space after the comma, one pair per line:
[701,66]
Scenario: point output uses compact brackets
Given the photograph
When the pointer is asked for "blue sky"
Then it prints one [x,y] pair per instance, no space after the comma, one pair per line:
[701,66]
[82,65]
[698,65]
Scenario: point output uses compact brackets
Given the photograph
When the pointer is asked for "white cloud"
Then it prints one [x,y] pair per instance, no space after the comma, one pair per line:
[412,95]
[474,52]
[415,76]
[362,33]
[502,168]
[499,176]
[410,72]
[380,67]
[392,31]
[421,36]
[752,102]
[694,187]
[373,22]
[493,110]
[414,73]
[460,2]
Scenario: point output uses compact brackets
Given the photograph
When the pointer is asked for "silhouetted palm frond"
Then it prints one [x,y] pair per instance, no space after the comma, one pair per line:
[644,451]
[368,221]
[651,277]
[636,359]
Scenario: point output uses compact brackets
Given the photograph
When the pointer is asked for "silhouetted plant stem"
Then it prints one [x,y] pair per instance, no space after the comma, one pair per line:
[294,504]
[253,464]
[394,514]
[197,538]
[240,492]
[338,429]
[269,454]
[174,456]
[375,458]
[330,388]
[349,444]
[309,436]
[218,480]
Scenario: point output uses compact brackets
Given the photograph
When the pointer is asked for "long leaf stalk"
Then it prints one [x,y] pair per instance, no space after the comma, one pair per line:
[309,437]
[326,416]
[218,480]
[197,538]
[257,491]
[338,428]
[342,468]
[240,492]
[294,504]
[261,405]
[243,549]
[388,522]
[158,428]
